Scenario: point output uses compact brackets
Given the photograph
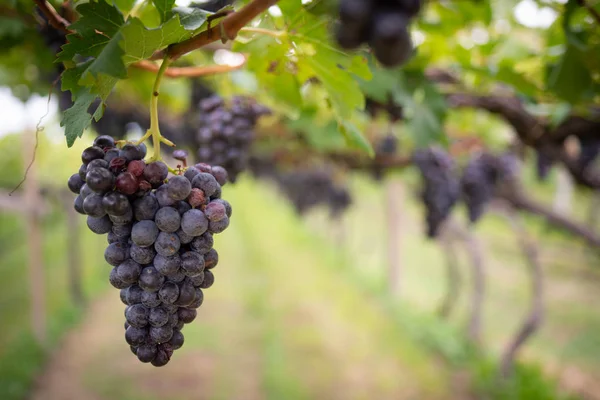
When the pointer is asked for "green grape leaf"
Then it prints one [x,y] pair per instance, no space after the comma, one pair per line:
[70,77]
[99,111]
[383,83]
[425,127]
[354,137]
[271,70]
[428,106]
[320,134]
[11,27]
[124,5]
[191,18]
[322,7]
[574,38]
[97,24]
[290,7]
[105,62]
[77,118]
[506,73]
[560,113]
[139,42]
[424,107]
[164,8]
[335,69]
[570,78]
[304,57]
[111,44]
[360,67]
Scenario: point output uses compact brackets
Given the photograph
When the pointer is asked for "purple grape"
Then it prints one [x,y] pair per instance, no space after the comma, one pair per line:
[194,222]
[156,173]
[91,153]
[75,183]
[179,188]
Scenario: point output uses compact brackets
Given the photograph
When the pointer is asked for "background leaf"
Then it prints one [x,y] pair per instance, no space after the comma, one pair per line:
[164,8]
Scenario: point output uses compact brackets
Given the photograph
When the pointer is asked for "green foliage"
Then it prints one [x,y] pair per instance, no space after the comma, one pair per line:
[164,8]
[296,66]
[11,162]
[304,53]
[528,382]
[112,43]
[424,107]
[21,364]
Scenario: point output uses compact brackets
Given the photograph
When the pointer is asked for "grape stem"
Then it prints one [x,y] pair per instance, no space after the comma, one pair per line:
[54,18]
[154,130]
[228,27]
[268,32]
[182,72]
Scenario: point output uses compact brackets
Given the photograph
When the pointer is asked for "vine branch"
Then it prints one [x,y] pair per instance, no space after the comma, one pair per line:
[534,317]
[536,132]
[53,16]
[181,72]
[268,32]
[227,29]
[517,199]
[512,192]
[592,10]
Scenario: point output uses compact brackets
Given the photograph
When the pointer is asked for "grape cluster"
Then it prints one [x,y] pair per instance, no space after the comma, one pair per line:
[160,238]
[481,177]
[588,153]
[305,187]
[543,163]
[382,24]
[223,134]
[477,184]
[441,187]
[384,147]
[263,167]
[395,112]
[311,187]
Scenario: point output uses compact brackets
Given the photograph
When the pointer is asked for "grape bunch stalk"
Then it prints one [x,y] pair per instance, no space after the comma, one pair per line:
[441,187]
[160,238]
[382,24]
[224,135]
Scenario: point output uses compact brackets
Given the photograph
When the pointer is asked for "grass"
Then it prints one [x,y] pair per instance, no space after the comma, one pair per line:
[21,356]
[281,321]
[300,310]
[566,340]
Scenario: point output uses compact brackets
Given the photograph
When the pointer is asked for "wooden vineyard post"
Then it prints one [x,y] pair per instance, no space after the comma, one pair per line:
[394,200]
[32,213]
[564,192]
[478,294]
[448,240]
[594,215]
